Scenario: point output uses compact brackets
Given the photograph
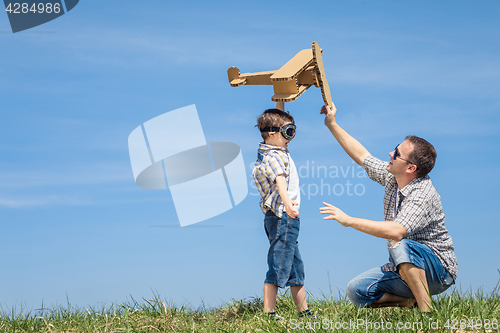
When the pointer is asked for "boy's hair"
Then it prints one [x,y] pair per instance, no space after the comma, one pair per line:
[423,155]
[273,118]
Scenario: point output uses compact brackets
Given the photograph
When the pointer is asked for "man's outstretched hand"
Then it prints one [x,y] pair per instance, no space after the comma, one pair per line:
[335,214]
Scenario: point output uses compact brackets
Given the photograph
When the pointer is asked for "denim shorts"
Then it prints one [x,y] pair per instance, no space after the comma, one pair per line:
[283,259]
[370,286]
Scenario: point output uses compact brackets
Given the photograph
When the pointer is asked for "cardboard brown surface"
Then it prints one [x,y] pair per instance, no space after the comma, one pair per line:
[294,66]
[233,74]
[284,97]
[292,79]
[323,83]
[260,78]
[285,87]
[307,76]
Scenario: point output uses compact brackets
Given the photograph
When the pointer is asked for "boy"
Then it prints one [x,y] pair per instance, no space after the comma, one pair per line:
[278,183]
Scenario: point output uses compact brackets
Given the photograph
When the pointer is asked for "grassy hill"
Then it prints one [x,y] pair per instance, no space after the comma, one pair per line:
[454,312]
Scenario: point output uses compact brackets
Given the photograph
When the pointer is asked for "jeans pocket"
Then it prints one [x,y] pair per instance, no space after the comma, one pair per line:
[446,279]
[272,226]
[444,282]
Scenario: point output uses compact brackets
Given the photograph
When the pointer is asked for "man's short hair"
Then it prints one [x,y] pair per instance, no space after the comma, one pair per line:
[423,155]
[273,118]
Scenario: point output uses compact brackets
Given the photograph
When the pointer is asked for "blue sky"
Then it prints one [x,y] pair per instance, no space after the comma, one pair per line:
[74,224]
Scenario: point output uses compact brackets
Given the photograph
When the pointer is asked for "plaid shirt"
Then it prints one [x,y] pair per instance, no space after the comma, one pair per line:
[271,162]
[419,211]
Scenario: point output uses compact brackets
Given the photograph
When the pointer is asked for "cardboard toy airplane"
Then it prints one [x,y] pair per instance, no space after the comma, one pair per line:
[291,80]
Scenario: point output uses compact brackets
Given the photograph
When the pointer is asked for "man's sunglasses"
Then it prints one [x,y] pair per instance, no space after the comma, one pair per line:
[398,155]
[288,131]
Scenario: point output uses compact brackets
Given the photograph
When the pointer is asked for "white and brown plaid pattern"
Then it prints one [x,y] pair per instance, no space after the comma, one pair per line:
[419,211]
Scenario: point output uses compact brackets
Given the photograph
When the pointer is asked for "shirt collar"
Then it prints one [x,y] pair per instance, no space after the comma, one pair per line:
[263,146]
[414,183]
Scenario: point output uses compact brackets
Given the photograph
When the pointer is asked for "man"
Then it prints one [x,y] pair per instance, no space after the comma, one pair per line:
[421,253]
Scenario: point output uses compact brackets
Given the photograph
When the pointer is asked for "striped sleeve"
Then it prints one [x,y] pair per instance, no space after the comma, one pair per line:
[260,179]
[276,166]
[376,169]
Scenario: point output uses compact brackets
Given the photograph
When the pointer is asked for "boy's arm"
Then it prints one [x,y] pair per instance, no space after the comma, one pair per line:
[351,146]
[281,184]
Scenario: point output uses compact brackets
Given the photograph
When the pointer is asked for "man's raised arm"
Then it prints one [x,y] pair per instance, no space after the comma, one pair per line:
[351,146]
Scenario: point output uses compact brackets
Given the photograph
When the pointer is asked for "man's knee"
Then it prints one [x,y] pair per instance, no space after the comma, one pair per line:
[360,293]
[353,292]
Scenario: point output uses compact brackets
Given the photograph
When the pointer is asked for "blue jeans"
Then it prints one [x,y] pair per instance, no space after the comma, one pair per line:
[283,259]
[370,286]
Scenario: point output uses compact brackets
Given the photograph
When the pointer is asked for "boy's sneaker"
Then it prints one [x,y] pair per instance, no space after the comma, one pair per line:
[275,317]
[278,318]
[307,314]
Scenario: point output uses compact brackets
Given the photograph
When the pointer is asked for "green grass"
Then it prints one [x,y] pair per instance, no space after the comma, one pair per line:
[455,310]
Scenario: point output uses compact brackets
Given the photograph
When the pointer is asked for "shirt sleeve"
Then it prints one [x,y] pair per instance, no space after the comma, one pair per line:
[260,179]
[376,169]
[276,165]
